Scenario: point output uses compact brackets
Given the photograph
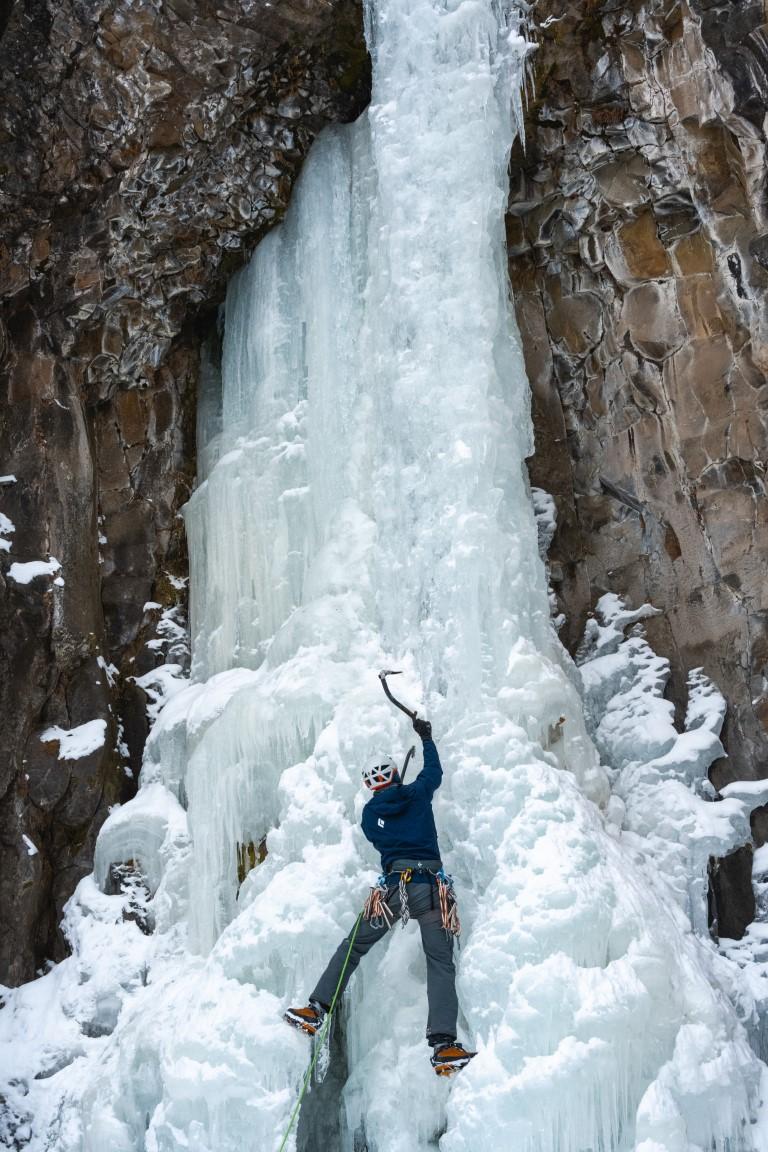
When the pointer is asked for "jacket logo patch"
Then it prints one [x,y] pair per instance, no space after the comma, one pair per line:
[380,822]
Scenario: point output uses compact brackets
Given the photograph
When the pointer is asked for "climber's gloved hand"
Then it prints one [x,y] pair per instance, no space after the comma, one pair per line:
[423,728]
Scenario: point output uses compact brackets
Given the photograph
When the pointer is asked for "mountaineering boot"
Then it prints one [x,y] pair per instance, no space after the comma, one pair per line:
[309,1019]
[446,1059]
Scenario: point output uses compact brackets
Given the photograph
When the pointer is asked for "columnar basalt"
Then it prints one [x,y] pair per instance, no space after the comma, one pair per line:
[146,148]
[638,245]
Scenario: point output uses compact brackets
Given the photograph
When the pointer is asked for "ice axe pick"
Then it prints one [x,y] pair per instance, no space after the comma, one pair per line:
[397,704]
[412,714]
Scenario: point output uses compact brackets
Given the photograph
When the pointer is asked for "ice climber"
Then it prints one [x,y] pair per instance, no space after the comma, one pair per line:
[399,822]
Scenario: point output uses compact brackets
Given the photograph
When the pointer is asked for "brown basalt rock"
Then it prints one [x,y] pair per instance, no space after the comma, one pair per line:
[634,253]
[146,149]
[644,328]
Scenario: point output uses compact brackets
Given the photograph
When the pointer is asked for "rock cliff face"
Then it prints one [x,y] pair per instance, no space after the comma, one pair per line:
[639,257]
[145,148]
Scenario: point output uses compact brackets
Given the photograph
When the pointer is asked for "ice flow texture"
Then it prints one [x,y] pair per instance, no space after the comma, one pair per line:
[368,497]
[364,505]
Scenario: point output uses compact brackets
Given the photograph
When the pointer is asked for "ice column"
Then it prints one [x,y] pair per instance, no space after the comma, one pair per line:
[366,491]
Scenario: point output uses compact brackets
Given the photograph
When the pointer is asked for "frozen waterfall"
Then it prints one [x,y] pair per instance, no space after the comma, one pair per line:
[363,503]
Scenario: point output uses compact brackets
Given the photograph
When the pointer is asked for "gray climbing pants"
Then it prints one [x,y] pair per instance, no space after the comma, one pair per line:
[424,906]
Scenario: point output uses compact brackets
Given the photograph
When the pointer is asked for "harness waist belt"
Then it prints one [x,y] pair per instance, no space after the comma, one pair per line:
[393,878]
[421,871]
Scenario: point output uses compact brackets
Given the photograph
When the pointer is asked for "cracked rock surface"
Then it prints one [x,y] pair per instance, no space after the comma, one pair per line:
[639,256]
[146,146]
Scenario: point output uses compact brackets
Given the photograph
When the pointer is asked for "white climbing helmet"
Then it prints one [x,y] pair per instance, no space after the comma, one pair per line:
[380,774]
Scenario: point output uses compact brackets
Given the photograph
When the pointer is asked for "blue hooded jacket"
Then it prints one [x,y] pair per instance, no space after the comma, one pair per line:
[398,821]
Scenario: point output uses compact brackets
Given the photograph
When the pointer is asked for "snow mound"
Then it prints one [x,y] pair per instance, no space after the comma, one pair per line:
[7,528]
[25,573]
[75,743]
[662,793]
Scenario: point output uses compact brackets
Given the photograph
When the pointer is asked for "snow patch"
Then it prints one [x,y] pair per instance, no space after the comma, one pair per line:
[160,685]
[109,670]
[172,637]
[75,743]
[7,528]
[545,511]
[661,783]
[752,792]
[24,573]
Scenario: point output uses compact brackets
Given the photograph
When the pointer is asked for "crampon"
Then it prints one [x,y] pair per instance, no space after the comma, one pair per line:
[450,1059]
[308,1020]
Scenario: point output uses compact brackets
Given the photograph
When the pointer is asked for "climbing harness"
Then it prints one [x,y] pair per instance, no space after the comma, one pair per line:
[379,914]
[319,1044]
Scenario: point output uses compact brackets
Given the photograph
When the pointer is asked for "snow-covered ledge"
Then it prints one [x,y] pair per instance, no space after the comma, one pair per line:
[662,799]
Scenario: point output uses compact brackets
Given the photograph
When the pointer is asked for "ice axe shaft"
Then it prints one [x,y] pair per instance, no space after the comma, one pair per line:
[411,752]
[397,704]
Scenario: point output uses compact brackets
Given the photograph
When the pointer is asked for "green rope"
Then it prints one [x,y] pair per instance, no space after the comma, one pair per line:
[319,1044]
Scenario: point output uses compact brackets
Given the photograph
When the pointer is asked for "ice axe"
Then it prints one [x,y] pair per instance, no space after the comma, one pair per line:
[412,714]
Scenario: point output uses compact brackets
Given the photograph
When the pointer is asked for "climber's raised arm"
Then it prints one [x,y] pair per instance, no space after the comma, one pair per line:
[431,775]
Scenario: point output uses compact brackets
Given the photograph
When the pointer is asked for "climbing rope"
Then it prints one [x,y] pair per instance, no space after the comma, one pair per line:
[323,1031]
